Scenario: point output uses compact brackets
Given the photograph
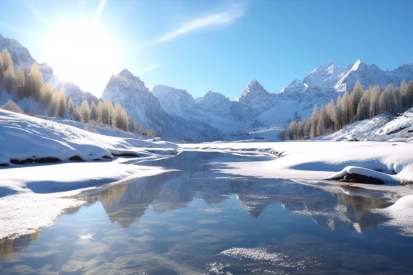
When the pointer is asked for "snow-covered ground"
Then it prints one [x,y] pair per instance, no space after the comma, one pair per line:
[32,195]
[384,127]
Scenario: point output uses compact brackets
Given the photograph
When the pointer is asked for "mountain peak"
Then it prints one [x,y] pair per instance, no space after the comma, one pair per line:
[323,76]
[253,90]
[358,64]
[126,73]
[254,85]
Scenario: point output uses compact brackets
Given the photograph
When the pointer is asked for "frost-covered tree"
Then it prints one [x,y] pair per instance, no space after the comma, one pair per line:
[292,130]
[35,81]
[76,114]
[355,98]
[20,82]
[346,108]
[322,122]
[9,79]
[120,118]
[46,95]
[403,94]
[363,107]
[105,112]
[388,100]
[314,123]
[6,60]
[374,101]
[93,112]
[70,106]
[61,104]
[85,112]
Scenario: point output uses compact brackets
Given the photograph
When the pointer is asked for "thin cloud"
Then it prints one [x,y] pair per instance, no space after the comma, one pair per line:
[101,7]
[212,19]
[150,68]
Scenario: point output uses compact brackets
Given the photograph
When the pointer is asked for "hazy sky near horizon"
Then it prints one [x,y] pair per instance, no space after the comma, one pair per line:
[203,46]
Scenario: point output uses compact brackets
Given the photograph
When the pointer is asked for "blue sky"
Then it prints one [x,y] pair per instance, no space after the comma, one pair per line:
[208,45]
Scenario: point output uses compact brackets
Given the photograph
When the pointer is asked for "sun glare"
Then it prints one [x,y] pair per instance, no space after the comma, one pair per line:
[81,53]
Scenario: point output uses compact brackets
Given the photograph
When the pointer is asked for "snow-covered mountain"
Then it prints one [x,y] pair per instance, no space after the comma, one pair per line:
[144,107]
[174,100]
[214,116]
[257,108]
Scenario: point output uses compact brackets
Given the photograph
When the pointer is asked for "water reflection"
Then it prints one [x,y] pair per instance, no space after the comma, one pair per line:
[125,204]
[199,221]
[8,247]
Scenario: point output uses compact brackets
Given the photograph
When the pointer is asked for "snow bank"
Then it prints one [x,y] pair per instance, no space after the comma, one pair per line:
[318,160]
[384,127]
[26,139]
[32,196]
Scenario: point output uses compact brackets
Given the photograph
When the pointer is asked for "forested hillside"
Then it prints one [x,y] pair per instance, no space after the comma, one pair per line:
[350,107]
[19,84]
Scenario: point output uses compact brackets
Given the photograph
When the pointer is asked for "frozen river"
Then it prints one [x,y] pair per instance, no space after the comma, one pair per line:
[197,219]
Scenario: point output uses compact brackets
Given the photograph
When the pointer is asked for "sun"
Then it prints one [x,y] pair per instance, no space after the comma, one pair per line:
[81,53]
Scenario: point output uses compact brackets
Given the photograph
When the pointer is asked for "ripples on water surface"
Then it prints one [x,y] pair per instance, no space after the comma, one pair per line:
[198,221]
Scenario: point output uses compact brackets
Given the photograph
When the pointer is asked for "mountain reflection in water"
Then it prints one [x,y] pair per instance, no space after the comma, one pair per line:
[173,198]
[126,203]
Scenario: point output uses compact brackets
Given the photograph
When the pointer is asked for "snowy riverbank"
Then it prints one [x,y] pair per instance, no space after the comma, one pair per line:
[33,194]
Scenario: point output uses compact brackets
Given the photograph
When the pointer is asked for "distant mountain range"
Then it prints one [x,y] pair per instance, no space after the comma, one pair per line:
[214,116]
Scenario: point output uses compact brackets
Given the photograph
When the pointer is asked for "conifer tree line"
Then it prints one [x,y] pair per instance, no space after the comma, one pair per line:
[358,105]
[28,83]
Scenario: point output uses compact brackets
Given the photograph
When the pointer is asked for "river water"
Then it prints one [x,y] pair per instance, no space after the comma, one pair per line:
[197,220]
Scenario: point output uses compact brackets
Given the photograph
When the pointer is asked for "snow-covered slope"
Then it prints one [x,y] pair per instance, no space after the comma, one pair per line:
[384,127]
[26,139]
[174,101]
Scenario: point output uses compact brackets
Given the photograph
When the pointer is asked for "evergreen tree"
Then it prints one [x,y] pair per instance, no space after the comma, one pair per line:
[6,60]
[355,98]
[84,112]
[35,81]
[61,104]
[93,112]
[314,122]
[292,130]
[120,118]
[388,100]
[404,96]
[363,108]
[374,101]
[70,106]
[46,95]
[346,108]
[20,82]
[9,79]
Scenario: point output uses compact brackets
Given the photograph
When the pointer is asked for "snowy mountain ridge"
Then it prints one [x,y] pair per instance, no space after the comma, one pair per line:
[214,115]
[142,106]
